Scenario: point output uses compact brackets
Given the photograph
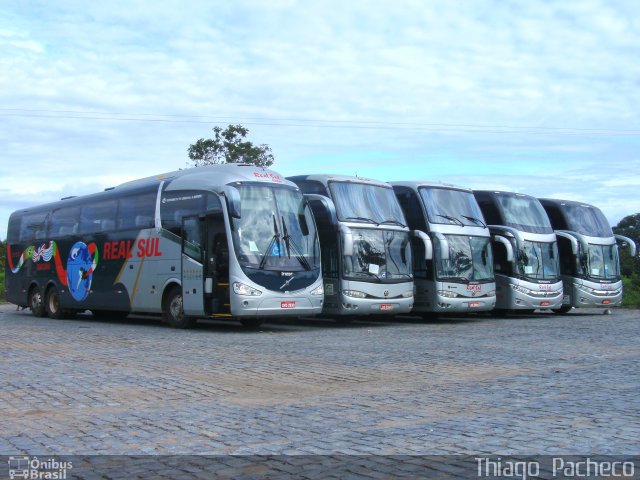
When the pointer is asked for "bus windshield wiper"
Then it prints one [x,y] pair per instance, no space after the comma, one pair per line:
[274,239]
[291,245]
[363,219]
[476,220]
[455,220]
[391,221]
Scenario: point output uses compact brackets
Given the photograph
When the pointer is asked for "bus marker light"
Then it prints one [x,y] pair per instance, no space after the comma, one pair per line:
[288,304]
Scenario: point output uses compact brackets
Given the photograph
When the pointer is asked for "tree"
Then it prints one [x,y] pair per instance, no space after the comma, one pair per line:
[229,146]
[629,226]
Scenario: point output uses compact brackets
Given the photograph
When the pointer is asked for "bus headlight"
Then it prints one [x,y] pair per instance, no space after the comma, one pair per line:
[319,290]
[242,289]
[447,293]
[407,294]
[354,293]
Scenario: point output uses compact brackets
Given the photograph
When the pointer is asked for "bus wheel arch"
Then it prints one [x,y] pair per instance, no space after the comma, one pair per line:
[35,301]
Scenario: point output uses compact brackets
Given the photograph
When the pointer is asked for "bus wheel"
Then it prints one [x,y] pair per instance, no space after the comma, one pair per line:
[173,313]
[251,323]
[52,304]
[36,305]
[563,309]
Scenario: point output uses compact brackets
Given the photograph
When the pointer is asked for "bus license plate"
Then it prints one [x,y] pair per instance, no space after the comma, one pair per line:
[606,301]
[545,303]
[386,306]
[474,304]
[287,304]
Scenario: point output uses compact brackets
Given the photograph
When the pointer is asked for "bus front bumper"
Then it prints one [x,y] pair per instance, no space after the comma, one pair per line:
[582,296]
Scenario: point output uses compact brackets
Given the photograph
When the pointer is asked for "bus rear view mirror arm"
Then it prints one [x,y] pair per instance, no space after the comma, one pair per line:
[629,243]
[428,245]
[507,245]
[444,245]
[500,229]
[347,240]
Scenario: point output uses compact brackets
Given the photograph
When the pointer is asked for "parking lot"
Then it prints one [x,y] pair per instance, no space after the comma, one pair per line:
[537,384]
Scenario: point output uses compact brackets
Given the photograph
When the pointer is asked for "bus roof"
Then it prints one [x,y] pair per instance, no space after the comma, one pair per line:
[415,184]
[326,178]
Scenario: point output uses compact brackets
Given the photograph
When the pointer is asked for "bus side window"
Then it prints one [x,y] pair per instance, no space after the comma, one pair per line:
[137,211]
[13,233]
[192,238]
[32,227]
[98,216]
[64,221]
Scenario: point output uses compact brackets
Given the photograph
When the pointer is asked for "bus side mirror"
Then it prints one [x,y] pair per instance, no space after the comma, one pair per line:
[507,245]
[444,246]
[347,240]
[232,196]
[323,210]
[428,245]
[627,242]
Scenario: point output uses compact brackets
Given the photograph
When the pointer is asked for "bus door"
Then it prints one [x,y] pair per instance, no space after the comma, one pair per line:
[192,266]
[216,266]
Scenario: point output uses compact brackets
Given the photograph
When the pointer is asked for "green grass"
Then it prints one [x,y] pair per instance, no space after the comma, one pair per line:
[631,295]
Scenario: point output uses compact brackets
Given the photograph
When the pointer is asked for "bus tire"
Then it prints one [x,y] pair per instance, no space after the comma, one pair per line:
[251,323]
[36,305]
[52,304]
[173,312]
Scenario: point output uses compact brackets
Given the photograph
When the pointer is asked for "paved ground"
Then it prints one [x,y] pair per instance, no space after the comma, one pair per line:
[536,384]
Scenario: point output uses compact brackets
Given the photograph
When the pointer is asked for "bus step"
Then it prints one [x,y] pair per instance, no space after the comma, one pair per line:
[218,315]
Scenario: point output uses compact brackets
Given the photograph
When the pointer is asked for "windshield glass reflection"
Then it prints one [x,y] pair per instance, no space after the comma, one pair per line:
[379,256]
[470,259]
[538,260]
[449,206]
[359,202]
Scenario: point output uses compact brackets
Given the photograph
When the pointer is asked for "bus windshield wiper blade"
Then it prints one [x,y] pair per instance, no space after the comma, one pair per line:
[391,221]
[363,219]
[291,245]
[274,239]
[455,220]
[475,219]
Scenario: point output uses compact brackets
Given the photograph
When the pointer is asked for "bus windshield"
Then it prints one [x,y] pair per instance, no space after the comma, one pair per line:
[276,230]
[587,220]
[379,256]
[524,213]
[603,262]
[538,260]
[360,202]
[450,206]
[470,259]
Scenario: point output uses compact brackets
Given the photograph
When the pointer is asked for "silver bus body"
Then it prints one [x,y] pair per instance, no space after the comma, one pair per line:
[589,261]
[366,253]
[457,274]
[525,251]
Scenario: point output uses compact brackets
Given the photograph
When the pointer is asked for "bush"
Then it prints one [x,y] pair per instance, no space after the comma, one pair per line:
[631,295]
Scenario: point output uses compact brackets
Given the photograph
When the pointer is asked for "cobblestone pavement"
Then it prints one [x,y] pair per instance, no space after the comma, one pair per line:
[537,384]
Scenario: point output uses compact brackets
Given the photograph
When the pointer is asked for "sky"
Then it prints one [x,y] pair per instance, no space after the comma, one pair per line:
[535,97]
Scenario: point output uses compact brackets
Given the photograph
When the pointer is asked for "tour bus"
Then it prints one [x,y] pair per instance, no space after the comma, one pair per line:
[364,239]
[589,263]
[225,241]
[525,252]
[456,274]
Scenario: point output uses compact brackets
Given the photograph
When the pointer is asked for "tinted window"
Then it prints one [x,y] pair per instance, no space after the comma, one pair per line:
[13,234]
[174,206]
[32,227]
[312,186]
[64,221]
[410,204]
[137,211]
[98,216]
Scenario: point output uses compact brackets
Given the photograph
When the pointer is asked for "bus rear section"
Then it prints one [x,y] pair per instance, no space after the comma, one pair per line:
[453,261]
[525,252]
